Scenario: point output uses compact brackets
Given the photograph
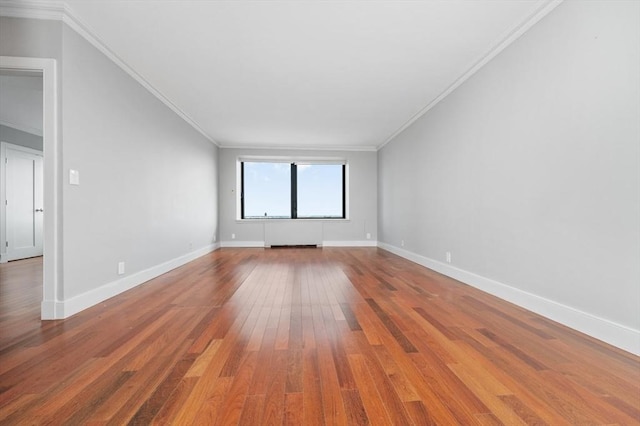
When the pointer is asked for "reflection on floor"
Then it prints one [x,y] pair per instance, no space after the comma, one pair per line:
[20,291]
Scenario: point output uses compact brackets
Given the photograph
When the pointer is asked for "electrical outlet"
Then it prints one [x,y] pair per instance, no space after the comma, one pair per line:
[215,238]
[190,245]
[368,236]
[448,256]
[233,236]
[402,243]
[120,268]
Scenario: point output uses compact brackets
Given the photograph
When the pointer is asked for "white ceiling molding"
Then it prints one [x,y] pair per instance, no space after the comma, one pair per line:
[22,128]
[57,10]
[512,36]
[303,148]
[34,9]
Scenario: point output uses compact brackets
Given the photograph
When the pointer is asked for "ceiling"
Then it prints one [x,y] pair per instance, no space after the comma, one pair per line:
[306,74]
[21,101]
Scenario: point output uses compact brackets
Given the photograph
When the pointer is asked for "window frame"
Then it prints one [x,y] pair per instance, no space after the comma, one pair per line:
[293,162]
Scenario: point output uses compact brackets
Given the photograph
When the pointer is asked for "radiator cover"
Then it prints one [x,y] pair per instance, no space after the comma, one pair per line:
[293,233]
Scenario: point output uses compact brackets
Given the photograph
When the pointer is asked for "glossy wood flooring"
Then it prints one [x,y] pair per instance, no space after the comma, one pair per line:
[302,337]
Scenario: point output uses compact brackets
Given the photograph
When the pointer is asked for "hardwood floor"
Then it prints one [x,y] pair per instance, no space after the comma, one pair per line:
[302,337]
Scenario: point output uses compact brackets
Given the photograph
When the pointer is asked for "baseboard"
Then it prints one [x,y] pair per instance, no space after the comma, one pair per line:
[608,331]
[240,244]
[49,310]
[365,243]
[53,309]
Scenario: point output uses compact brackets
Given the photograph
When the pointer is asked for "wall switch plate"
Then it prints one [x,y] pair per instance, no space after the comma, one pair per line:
[74,177]
[120,268]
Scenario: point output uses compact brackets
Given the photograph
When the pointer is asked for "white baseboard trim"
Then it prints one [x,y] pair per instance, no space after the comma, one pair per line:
[240,244]
[56,309]
[49,309]
[365,243]
[603,329]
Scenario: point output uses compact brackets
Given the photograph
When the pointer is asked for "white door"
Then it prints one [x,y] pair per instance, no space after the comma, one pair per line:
[24,213]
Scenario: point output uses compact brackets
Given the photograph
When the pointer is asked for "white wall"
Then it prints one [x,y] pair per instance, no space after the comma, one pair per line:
[529,174]
[148,191]
[362,200]
[148,181]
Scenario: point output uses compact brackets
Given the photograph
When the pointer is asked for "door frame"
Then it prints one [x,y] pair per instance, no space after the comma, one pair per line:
[4,254]
[51,306]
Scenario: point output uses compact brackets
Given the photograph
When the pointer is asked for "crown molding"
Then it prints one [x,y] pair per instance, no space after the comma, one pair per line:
[512,35]
[302,148]
[59,11]
[33,9]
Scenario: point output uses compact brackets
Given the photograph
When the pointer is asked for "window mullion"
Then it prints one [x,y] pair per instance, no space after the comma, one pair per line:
[242,189]
[294,191]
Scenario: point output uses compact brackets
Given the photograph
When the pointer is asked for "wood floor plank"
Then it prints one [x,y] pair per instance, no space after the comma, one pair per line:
[145,381]
[501,410]
[274,396]
[311,389]
[302,337]
[401,383]
[174,402]
[371,399]
[163,391]
[486,364]
[252,410]
[293,409]
[356,414]
[231,408]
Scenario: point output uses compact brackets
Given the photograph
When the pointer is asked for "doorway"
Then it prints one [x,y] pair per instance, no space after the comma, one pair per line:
[51,306]
[21,187]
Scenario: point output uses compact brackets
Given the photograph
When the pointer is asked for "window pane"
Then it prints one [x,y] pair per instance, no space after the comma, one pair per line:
[319,190]
[267,190]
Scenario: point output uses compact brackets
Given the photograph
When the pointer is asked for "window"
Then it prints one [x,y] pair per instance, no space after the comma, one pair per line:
[300,190]
[266,190]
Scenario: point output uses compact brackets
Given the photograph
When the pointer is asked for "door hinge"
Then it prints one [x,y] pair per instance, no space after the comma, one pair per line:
[6,244]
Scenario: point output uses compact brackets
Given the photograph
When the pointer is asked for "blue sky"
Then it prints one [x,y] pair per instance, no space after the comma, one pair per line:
[267,188]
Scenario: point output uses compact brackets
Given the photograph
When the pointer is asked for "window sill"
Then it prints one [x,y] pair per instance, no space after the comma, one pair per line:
[291,220]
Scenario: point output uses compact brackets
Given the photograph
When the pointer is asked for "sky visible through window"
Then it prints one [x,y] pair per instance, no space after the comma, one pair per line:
[267,190]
